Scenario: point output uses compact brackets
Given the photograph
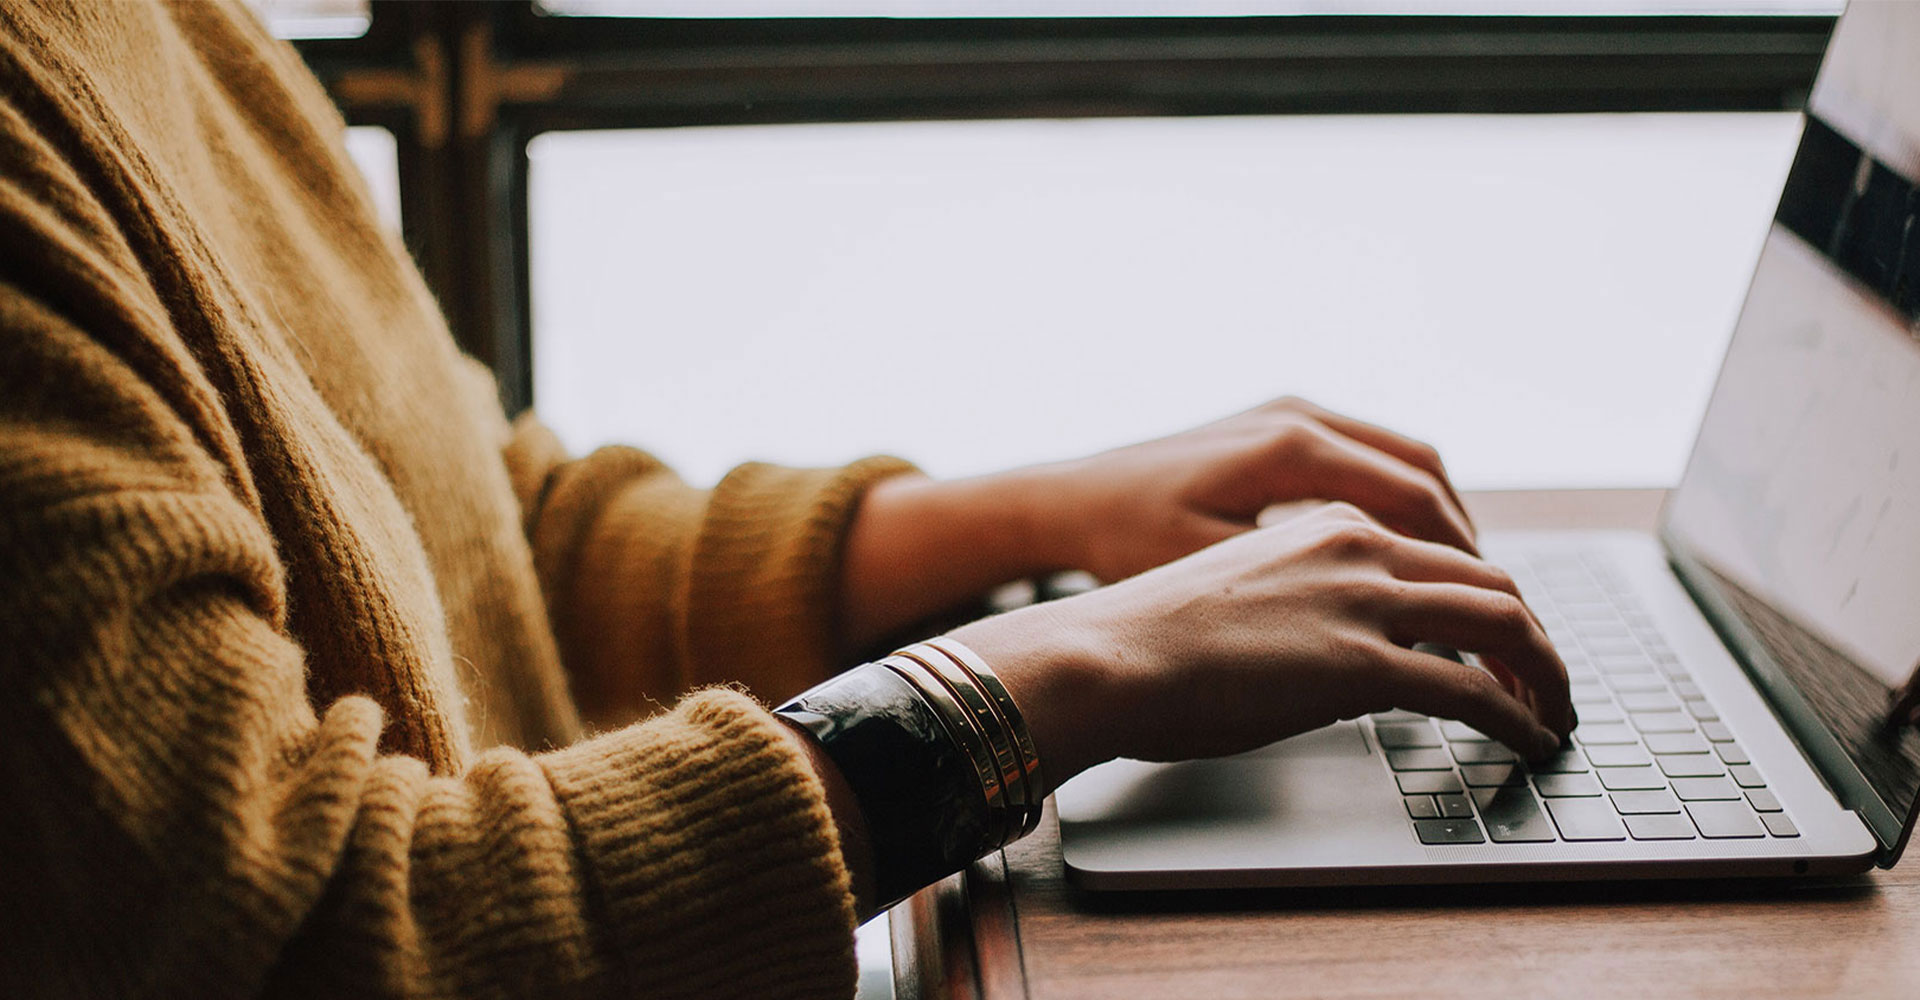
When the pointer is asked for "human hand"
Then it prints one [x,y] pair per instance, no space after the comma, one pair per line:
[1272,633]
[1128,510]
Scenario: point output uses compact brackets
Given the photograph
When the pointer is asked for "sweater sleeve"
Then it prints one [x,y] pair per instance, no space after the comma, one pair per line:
[182,821]
[655,587]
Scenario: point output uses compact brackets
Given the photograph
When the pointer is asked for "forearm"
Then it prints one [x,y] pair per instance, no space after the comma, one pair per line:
[922,546]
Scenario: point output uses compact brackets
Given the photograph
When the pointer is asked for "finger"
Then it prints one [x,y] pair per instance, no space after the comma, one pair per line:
[1434,685]
[1419,561]
[1494,624]
[1418,454]
[1400,496]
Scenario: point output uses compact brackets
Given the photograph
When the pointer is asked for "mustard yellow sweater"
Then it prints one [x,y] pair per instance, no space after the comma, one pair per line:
[297,631]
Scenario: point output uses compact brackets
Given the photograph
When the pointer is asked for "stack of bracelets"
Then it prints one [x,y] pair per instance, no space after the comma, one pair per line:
[936,754]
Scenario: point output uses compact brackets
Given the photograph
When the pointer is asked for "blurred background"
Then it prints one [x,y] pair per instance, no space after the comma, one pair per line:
[986,233]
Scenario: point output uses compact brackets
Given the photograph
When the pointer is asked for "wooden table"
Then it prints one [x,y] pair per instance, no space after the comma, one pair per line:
[1010,928]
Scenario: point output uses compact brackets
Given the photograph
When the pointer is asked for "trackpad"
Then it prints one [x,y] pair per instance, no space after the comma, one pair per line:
[1320,799]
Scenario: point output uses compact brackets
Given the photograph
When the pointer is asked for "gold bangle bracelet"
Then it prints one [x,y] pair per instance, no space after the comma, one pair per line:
[1013,774]
[972,738]
[1016,723]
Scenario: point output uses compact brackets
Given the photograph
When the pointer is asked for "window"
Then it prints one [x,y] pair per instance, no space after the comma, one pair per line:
[314,18]
[1654,124]
[1545,297]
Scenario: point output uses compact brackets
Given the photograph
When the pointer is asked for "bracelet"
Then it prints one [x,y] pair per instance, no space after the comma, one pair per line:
[918,793]
[1013,746]
[938,757]
[973,740]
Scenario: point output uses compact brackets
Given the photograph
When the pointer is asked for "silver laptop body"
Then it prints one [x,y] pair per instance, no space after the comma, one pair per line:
[1731,673]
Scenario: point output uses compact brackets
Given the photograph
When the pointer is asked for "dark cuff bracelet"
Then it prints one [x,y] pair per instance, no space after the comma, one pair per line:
[918,790]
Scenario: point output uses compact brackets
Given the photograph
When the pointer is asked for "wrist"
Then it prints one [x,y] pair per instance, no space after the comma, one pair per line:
[1057,672]
[921,546]
[856,851]
[1010,522]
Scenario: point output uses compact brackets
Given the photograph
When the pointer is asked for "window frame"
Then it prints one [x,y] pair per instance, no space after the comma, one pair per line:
[465,86]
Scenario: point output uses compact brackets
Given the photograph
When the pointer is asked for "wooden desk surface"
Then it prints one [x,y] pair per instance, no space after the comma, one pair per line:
[1010,928]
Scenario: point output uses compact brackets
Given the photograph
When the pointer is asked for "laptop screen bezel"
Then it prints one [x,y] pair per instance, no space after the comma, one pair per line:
[1845,779]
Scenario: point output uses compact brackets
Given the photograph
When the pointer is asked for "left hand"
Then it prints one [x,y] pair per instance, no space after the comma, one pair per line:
[1131,509]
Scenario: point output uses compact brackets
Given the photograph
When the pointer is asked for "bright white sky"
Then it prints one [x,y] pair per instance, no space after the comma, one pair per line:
[1544,297]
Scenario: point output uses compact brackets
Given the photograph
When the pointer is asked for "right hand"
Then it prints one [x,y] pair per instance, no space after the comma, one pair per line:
[1273,633]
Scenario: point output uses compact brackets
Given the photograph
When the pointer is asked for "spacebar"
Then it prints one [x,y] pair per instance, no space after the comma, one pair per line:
[1511,815]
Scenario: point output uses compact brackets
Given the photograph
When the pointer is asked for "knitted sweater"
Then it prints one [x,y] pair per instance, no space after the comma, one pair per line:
[297,631]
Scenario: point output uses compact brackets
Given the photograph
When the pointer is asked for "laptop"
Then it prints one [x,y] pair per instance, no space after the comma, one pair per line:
[1732,673]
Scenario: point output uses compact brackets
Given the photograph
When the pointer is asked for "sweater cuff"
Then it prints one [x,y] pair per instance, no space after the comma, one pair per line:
[712,853]
[763,595]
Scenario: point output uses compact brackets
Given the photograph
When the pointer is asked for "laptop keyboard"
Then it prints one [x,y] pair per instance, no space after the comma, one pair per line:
[1651,760]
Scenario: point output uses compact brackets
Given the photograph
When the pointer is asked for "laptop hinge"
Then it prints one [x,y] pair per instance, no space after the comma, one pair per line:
[1816,742]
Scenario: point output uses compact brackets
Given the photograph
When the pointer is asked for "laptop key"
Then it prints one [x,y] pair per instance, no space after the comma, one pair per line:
[1746,776]
[1615,664]
[1676,743]
[1454,806]
[1691,765]
[1422,807]
[1778,824]
[1589,694]
[1398,715]
[1626,755]
[1649,701]
[1662,722]
[1716,732]
[1557,786]
[1600,734]
[1586,819]
[1428,782]
[1401,735]
[1702,710]
[1488,775]
[1636,682]
[1420,760]
[1448,831]
[1725,820]
[1731,753]
[1567,761]
[1602,628]
[1703,789]
[1686,689]
[1645,802]
[1664,826]
[1601,713]
[1460,732]
[1512,817]
[1627,779]
[1482,753]
[1763,800]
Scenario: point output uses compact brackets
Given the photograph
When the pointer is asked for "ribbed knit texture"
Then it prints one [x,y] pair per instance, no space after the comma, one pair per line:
[297,631]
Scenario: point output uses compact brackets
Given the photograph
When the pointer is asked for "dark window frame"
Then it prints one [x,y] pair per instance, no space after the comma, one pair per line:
[465,86]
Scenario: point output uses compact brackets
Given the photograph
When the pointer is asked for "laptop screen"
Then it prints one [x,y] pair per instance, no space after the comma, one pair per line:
[1802,498]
